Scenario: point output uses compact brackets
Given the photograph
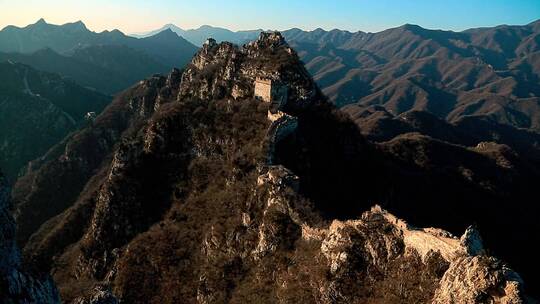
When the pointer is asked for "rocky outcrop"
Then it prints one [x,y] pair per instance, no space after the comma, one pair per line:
[443,264]
[446,269]
[18,285]
[225,70]
[100,295]
[479,279]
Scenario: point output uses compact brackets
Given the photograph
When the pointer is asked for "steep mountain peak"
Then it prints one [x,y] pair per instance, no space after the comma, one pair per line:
[114,35]
[267,41]
[270,40]
[168,32]
[78,25]
[117,31]
[339,31]
[206,27]
[295,30]
[411,28]
[40,24]
[41,21]
[174,28]
[228,70]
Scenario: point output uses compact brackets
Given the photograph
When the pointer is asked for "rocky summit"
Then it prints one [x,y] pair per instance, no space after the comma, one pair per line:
[181,191]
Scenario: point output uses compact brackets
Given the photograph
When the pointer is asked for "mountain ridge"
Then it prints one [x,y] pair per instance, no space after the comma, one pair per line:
[107,68]
[239,235]
[173,52]
[37,110]
[449,74]
[181,31]
[199,35]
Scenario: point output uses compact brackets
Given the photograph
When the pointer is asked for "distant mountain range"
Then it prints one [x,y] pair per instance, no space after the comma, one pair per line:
[37,110]
[167,47]
[198,36]
[107,61]
[52,75]
[484,71]
[106,68]
[490,72]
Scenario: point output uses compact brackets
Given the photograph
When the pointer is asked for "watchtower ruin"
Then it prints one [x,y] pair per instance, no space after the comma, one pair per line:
[263,89]
[270,90]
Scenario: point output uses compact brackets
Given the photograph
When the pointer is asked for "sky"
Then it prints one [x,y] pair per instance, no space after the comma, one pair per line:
[135,16]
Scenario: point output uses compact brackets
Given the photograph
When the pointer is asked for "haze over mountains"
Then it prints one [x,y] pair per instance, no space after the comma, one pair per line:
[168,48]
[37,110]
[55,74]
[107,61]
[198,36]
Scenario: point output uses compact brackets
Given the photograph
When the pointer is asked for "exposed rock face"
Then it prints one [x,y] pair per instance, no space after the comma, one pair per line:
[376,252]
[78,157]
[188,203]
[219,68]
[16,284]
[100,295]
[479,279]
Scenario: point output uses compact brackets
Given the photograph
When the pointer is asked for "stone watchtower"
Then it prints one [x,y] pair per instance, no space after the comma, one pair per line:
[271,91]
[263,89]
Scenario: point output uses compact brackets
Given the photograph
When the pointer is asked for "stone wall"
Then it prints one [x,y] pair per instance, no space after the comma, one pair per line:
[283,125]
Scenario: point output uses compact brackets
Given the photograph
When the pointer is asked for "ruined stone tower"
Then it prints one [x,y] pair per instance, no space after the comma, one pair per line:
[270,91]
[263,89]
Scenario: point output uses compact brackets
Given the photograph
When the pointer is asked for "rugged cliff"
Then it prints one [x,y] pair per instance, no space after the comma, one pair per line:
[18,285]
[185,196]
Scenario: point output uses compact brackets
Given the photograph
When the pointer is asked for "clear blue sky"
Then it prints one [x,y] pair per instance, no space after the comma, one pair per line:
[366,15]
